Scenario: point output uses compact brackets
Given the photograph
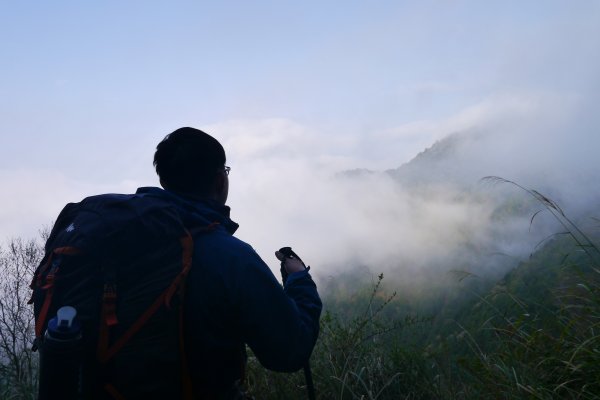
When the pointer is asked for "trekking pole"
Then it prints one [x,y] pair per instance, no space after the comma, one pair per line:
[310,387]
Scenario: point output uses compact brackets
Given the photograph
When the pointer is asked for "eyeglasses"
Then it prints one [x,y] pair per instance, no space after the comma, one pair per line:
[227,169]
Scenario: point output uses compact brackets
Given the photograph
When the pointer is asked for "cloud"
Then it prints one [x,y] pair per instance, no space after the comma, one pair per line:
[284,189]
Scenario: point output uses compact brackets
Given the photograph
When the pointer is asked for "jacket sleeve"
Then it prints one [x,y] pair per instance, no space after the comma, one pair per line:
[280,325]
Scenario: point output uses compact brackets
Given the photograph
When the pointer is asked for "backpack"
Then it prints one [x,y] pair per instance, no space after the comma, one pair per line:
[121,261]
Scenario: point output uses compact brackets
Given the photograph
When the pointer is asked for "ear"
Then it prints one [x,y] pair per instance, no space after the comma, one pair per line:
[221,188]
[219,183]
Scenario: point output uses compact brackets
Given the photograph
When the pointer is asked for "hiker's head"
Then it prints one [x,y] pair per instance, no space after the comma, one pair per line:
[192,162]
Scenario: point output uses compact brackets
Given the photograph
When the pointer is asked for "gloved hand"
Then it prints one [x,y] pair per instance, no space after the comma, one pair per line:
[290,262]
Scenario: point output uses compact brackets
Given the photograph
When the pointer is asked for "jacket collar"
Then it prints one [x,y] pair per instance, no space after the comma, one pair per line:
[193,207]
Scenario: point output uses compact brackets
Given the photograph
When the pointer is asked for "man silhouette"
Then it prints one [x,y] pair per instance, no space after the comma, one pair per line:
[232,297]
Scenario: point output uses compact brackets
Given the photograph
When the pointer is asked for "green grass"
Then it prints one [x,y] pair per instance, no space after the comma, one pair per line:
[356,357]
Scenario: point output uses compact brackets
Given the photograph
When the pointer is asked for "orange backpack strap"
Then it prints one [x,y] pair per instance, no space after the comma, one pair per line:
[110,389]
[108,317]
[105,353]
[47,283]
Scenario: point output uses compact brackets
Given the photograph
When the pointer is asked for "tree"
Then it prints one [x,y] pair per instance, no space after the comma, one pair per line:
[18,364]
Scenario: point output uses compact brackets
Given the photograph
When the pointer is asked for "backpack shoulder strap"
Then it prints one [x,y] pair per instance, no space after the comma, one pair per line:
[105,353]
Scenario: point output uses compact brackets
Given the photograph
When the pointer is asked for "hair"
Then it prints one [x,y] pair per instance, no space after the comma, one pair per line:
[187,160]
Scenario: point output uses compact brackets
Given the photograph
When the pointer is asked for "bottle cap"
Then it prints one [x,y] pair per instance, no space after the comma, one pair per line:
[66,315]
[65,325]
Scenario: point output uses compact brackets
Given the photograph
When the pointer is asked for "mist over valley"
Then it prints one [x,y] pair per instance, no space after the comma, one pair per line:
[431,215]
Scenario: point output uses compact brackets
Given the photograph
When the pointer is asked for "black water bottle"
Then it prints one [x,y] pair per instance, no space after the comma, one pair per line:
[61,357]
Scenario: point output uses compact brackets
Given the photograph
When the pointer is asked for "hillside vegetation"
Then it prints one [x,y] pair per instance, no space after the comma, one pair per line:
[533,335]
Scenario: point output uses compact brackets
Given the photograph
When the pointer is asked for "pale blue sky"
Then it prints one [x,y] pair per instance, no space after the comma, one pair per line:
[88,88]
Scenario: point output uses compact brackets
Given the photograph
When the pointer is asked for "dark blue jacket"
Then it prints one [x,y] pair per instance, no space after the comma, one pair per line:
[233,299]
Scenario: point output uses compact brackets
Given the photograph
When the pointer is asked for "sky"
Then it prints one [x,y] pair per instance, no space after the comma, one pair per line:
[296,92]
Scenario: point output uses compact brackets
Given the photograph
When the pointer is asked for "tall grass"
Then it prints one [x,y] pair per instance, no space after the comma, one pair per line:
[356,357]
[540,357]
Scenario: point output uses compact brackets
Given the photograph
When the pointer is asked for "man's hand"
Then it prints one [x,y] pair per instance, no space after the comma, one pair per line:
[291,264]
